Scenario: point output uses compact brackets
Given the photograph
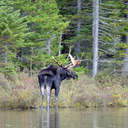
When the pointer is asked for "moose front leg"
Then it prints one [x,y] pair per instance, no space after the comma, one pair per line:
[56,95]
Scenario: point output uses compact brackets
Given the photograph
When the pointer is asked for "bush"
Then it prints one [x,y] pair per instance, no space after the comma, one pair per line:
[22,93]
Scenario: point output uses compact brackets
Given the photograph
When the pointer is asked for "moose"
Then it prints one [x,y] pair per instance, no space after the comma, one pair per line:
[52,76]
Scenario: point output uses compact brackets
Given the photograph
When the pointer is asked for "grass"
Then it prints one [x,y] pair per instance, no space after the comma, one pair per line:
[22,91]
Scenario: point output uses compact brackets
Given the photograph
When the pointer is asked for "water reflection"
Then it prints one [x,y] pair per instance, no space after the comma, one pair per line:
[95,122]
[52,121]
[65,118]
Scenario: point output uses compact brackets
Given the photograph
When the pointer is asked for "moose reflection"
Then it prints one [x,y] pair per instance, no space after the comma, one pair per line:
[50,122]
[51,78]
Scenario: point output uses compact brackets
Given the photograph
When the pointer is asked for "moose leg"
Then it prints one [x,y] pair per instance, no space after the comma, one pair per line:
[42,94]
[56,95]
[48,90]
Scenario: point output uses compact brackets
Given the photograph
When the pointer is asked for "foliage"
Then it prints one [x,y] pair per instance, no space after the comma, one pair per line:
[112,30]
[13,31]
[72,35]
[29,41]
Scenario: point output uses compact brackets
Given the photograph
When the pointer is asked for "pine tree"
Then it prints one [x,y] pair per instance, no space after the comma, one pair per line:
[79,32]
[45,25]
[13,33]
[111,33]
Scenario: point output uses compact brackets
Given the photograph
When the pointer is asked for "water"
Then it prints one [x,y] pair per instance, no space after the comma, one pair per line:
[65,118]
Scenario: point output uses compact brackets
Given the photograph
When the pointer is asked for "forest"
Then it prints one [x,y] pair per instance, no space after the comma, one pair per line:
[94,31]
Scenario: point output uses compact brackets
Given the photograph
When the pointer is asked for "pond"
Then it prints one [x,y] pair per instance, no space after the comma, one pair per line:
[65,118]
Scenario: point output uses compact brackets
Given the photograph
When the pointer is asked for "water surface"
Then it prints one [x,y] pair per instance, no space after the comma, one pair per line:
[65,118]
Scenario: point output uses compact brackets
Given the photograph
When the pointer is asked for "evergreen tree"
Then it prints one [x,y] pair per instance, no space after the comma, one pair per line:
[111,33]
[45,25]
[13,33]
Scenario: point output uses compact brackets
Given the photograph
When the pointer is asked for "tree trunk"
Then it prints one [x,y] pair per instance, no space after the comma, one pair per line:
[49,44]
[6,57]
[78,13]
[6,54]
[95,36]
[60,42]
[49,47]
[125,64]
[31,60]
[77,47]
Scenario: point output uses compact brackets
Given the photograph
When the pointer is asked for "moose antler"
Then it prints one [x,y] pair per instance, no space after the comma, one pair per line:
[74,62]
[57,62]
[65,67]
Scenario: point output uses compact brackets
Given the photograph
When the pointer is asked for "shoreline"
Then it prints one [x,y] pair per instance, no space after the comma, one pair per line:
[24,93]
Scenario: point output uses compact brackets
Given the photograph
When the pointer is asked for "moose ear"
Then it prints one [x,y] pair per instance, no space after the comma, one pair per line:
[76,77]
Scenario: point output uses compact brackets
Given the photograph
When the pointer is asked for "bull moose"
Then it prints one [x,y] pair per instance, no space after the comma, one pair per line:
[51,78]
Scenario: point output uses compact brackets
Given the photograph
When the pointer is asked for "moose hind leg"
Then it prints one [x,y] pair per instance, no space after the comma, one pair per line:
[42,94]
[48,91]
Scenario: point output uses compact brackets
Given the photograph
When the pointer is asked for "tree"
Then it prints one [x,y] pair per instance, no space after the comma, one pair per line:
[125,63]
[95,36]
[79,7]
[48,26]
[45,25]
[13,33]
[112,30]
